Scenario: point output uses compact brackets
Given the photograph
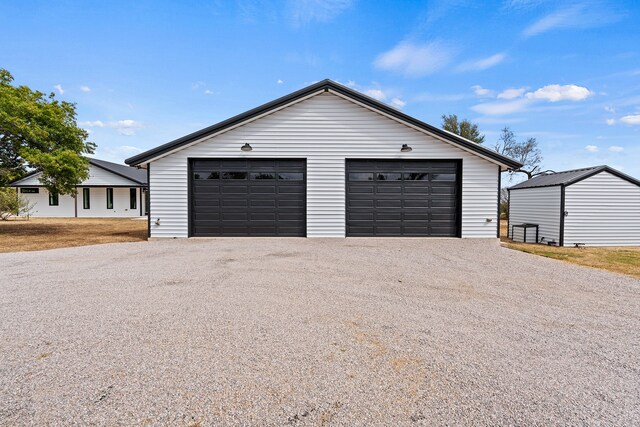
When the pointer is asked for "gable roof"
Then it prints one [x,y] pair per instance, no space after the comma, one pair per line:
[570,177]
[324,85]
[133,174]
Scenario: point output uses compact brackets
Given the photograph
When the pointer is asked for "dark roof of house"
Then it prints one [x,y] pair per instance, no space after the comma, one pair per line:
[570,177]
[134,174]
[309,90]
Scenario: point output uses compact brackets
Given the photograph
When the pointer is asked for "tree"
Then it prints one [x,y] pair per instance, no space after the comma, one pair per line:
[526,152]
[12,203]
[464,128]
[40,132]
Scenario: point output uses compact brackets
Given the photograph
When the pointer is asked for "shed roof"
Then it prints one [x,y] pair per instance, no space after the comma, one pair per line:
[570,177]
[324,85]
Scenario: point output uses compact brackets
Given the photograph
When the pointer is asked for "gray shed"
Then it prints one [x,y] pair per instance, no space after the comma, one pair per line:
[596,206]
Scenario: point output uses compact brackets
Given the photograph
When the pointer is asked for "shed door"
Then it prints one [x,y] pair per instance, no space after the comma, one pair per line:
[403,198]
[248,197]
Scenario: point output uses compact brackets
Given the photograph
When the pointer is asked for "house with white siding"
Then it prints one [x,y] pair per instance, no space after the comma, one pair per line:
[324,161]
[111,190]
[595,206]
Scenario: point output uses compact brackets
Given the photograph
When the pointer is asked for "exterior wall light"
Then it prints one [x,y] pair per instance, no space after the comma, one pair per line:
[405,148]
[246,147]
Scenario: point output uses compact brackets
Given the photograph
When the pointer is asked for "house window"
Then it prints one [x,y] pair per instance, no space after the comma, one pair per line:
[133,200]
[53,199]
[86,198]
[109,198]
[30,190]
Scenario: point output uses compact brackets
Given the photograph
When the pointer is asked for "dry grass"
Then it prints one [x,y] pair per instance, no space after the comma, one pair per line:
[625,260]
[17,235]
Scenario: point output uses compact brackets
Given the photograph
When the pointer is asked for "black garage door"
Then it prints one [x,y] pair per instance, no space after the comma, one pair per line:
[241,197]
[403,198]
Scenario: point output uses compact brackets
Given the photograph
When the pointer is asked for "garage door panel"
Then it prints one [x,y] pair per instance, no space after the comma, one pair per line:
[262,189]
[247,197]
[416,203]
[393,215]
[357,189]
[402,196]
[389,189]
[388,203]
[416,190]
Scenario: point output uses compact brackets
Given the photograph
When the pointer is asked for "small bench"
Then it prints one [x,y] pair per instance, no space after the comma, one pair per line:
[522,235]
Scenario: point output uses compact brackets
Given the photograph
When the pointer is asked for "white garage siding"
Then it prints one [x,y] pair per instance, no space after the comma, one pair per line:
[325,129]
[603,210]
[537,206]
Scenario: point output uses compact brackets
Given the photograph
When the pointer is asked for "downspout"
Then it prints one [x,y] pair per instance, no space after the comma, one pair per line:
[498,221]
[561,237]
[148,199]
[75,202]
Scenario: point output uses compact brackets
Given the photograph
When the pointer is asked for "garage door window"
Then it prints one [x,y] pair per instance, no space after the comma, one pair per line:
[449,177]
[262,175]
[360,176]
[291,176]
[418,176]
[388,176]
[234,175]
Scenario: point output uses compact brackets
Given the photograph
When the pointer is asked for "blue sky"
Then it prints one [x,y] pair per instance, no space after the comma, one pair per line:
[146,72]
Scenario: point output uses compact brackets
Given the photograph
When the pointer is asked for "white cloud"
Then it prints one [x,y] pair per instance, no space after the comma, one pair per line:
[351,83]
[415,60]
[398,103]
[59,89]
[609,109]
[376,94]
[85,89]
[197,85]
[616,148]
[482,64]
[501,108]
[481,91]
[208,92]
[92,124]
[582,15]
[555,93]
[511,93]
[279,82]
[611,122]
[592,148]
[303,12]
[126,127]
[631,120]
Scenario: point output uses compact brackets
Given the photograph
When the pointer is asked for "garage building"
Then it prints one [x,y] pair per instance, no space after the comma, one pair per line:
[324,161]
[596,206]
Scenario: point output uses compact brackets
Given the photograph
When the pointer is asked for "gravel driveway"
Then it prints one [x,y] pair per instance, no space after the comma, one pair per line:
[314,332]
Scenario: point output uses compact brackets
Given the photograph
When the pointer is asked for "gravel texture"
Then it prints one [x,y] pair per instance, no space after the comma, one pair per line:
[314,332]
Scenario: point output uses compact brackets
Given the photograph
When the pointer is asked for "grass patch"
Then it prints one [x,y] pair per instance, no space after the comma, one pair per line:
[19,234]
[617,259]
